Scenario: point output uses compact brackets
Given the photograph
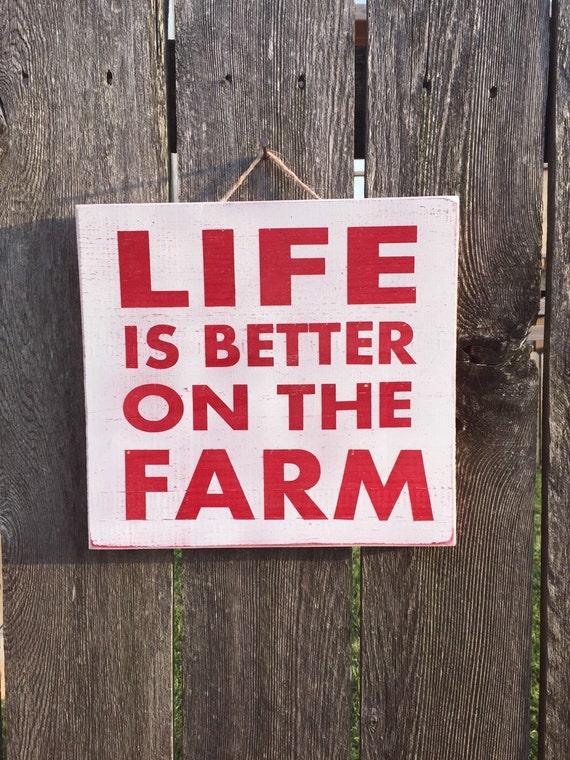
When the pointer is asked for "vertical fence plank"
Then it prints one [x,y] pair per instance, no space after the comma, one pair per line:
[456,100]
[266,632]
[555,602]
[87,634]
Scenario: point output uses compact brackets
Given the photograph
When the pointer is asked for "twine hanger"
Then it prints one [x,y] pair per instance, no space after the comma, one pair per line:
[266,155]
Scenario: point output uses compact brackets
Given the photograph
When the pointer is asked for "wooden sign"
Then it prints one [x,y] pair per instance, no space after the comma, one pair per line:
[270,374]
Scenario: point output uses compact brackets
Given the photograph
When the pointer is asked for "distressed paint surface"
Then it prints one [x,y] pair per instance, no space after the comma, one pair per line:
[262,374]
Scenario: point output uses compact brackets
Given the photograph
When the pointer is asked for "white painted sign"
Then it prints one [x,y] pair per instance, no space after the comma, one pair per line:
[270,374]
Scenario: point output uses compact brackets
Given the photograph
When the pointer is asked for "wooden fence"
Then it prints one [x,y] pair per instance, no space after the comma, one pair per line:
[456,97]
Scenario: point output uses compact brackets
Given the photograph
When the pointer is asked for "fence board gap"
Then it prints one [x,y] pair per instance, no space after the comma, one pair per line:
[554,720]
[355,652]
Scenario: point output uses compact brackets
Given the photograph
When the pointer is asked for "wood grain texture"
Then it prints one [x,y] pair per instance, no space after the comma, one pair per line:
[266,665]
[274,70]
[456,100]
[266,654]
[87,635]
[554,730]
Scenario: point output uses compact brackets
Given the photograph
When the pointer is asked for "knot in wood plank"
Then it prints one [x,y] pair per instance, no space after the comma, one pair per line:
[491,351]
[491,354]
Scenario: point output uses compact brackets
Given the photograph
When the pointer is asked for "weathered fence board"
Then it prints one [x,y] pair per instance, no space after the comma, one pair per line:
[456,100]
[554,730]
[266,632]
[87,635]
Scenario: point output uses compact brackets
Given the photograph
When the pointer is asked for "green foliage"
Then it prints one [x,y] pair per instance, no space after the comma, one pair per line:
[355,656]
[535,656]
[177,654]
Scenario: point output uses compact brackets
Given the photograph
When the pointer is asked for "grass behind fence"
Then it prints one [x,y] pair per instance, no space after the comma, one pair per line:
[177,724]
[355,656]
[355,648]
[535,656]
[354,753]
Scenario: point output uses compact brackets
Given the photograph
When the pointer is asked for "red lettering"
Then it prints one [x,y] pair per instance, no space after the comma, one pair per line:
[277,266]
[360,471]
[134,275]
[170,351]
[292,332]
[203,397]
[365,265]
[131,347]
[324,330]
[396,345]
[170,419]
[214,462]
[219,270]
[138,483]
[389,403]
[362,405]
[255,345]
[276,488]
[296,395]
[155,342]
[354,342]
[220,338]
